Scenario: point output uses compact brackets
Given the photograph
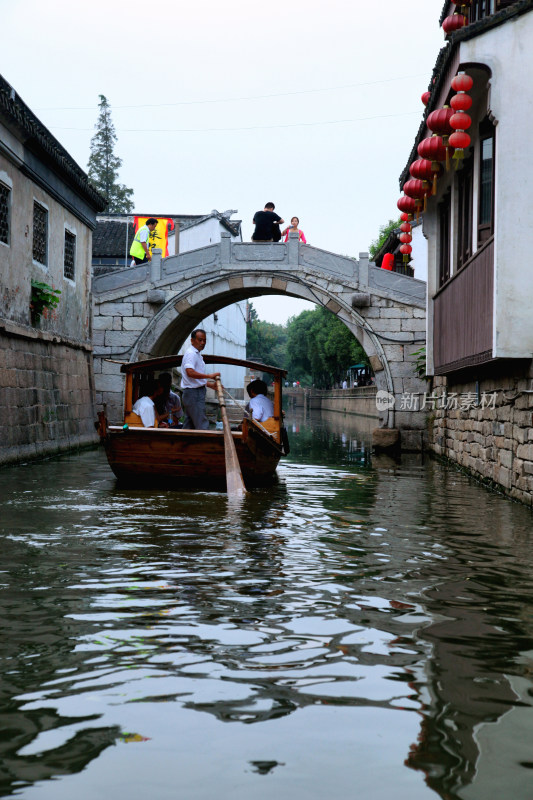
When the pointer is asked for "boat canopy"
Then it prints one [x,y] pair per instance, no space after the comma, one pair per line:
[167,362]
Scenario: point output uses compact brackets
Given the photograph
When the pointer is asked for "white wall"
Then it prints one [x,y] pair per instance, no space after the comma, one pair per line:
[419,256]
[200,235]
[508,51]
[226,336]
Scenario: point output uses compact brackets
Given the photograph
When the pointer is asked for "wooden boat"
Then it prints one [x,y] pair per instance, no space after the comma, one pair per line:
[136,454]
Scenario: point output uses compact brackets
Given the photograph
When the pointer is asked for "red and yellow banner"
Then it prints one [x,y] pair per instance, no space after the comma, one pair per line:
[159,236]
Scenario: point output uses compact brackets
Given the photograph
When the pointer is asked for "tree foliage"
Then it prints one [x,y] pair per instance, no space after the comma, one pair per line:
[104,165]
[320,348]
[266,341]
[384,231]
[315,347]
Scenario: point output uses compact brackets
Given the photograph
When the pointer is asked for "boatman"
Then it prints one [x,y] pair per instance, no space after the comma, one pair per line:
[140,250]
[194,379]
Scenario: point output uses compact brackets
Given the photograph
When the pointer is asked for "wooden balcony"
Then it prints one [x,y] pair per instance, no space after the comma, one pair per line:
[462,314]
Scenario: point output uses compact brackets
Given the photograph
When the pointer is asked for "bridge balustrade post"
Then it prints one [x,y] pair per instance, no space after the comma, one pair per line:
[363,270]
[155,265]
[293,246]
[225,247]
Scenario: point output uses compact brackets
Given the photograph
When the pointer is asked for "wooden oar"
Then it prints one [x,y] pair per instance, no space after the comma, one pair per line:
[234,482]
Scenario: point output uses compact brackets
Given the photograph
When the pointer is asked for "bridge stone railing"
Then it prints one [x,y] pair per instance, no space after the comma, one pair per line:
[145,310]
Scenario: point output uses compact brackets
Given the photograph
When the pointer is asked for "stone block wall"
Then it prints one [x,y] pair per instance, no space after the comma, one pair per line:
[493,437]
[46,394]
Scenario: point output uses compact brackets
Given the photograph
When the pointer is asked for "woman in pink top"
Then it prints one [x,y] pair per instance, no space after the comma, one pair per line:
[294,228]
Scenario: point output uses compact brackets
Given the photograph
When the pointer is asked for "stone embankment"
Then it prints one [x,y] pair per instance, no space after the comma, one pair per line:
[487,428]
[47,404]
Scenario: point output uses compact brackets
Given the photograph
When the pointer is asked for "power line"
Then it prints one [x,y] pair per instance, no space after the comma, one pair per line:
[250,128]
[241,99]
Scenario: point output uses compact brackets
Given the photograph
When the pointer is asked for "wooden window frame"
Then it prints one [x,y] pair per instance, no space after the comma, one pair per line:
[486,229]
[39,208]
[465,209]
[5,214]
[69,268]
[444,263]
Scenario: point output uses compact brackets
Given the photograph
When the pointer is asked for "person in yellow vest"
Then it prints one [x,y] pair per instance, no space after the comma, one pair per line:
[139,250]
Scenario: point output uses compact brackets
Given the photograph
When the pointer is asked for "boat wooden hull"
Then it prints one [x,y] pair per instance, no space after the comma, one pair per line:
[177,456]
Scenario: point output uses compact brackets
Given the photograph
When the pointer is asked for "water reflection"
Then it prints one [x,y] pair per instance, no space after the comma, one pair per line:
[362,623]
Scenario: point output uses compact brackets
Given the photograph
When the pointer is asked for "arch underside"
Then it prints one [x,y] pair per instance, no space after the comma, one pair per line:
[172,325]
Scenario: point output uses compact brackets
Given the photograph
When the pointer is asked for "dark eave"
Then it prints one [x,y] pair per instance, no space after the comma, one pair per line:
[166,362]
[445,56]
[18,118]
[445,11]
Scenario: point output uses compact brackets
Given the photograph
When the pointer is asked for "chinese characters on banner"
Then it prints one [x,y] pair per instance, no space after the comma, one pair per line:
[159,236]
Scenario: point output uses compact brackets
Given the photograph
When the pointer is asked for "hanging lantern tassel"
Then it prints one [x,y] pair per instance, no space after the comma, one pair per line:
[445,140]
[435,169]
[461,140]
[439,122]
[406,249]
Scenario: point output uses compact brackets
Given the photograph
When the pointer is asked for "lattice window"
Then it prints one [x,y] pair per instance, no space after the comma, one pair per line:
[5,192]
[70,255]
[40,233]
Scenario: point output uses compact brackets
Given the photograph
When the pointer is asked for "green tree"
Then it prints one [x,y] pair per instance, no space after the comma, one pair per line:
[265,341]
[384,231]
[103,164]
[320,348]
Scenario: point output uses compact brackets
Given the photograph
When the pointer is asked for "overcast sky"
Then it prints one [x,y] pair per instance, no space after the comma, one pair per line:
[312,106]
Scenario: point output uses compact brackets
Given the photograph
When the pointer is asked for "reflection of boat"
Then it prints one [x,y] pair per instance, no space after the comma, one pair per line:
[135,452]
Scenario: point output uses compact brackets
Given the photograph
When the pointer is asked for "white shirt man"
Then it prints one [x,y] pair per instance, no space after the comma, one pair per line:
[261,407]
[194,379]
[145,409]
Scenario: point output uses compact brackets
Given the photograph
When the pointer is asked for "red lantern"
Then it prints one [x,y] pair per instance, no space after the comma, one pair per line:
[460,121]
[421,169]
[405,238]
[453,23]
[418,190]
[425,98]
[433,149]
[405,227]
[462,82]
[439,122]
[406,249]
[388,261]
[407,205]
[461,102]
[460,140]
[415,188]
[404,217]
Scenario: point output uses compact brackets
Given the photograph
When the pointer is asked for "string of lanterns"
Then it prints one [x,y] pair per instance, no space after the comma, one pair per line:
[460,120]
[449,138]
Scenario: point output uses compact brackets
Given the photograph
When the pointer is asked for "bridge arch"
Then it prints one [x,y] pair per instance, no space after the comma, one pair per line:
[385,311]
[171,326]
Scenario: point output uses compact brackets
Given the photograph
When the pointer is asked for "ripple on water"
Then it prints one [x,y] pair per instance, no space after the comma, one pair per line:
[338,621]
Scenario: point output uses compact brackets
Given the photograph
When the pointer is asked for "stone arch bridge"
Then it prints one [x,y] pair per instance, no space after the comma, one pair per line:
[150,310]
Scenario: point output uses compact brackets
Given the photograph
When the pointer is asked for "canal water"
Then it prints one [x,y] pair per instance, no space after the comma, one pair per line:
[362,629]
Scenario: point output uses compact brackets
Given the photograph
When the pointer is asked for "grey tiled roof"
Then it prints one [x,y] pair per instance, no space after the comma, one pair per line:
[109,237]
[17,117]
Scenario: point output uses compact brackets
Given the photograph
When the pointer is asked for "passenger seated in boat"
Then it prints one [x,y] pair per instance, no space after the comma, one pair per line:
[168,404]
[260,406]
[143,413]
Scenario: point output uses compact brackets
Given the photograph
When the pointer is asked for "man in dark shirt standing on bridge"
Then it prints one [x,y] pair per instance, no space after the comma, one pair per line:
[267,224]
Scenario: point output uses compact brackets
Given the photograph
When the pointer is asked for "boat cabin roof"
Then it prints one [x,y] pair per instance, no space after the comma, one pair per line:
[166,362]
